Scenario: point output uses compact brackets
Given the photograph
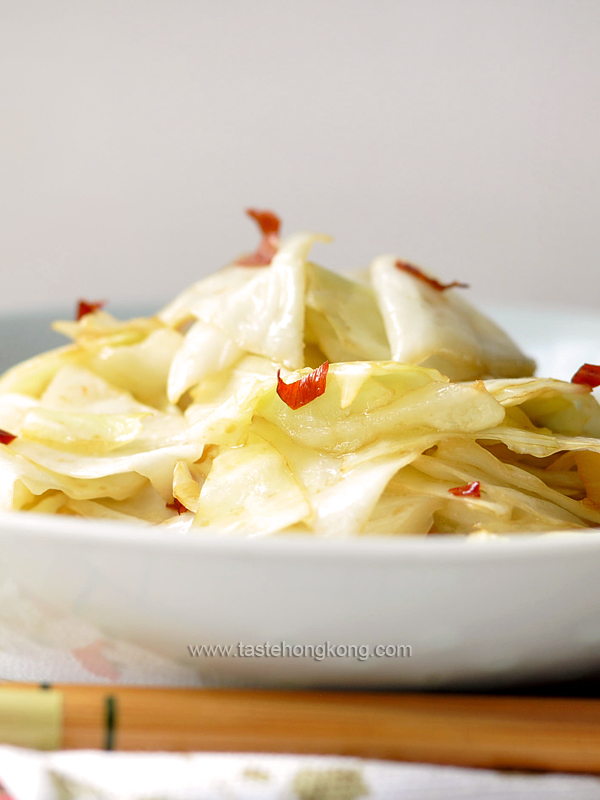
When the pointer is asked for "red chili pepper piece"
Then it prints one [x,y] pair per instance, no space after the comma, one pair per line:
[305,389]
[587,375]
[177,506]
[83,308]
[6,437]
[269,224]
[472,489]
[418,273]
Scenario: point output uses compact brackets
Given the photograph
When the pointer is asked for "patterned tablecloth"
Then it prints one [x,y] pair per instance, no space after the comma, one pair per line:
[207,776]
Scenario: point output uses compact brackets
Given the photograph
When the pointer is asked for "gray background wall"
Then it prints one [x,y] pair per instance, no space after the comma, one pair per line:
[461,134]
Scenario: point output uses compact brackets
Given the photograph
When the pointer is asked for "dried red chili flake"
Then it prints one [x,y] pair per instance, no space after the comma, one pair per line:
[269,224]
[83,308]
[177,506]
[305,389]
[472,489]
[418,273]
[6,437]
[587,375]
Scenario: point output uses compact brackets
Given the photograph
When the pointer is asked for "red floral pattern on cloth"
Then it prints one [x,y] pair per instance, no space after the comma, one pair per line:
[93,658]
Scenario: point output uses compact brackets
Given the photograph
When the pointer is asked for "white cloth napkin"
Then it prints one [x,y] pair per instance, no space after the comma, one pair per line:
[90,775]
[39,643]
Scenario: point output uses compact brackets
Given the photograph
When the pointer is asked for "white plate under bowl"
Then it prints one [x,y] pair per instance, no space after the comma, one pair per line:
[473,613]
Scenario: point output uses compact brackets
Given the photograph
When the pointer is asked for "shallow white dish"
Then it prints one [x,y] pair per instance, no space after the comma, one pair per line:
[474,613]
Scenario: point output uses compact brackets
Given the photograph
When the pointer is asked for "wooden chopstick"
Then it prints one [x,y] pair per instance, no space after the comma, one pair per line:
[532,733]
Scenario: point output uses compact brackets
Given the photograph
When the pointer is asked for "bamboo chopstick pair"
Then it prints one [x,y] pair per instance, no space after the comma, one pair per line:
[551,734]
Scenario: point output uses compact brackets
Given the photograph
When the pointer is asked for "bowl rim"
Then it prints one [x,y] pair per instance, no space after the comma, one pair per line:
[442,547]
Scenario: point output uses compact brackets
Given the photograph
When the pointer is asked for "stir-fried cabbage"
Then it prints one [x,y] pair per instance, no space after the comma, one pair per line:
[424,419]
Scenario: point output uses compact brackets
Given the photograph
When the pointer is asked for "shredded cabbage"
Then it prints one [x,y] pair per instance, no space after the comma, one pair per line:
[177,419]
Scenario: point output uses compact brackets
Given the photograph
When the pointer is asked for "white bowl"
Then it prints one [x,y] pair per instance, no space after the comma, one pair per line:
[473,613]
